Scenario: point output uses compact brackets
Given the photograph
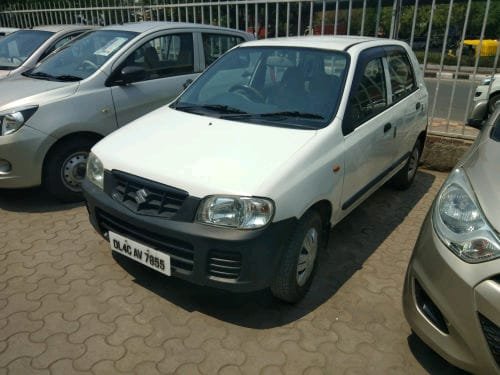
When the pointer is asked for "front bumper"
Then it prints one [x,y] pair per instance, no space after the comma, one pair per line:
[463,294]
[199,253]
[25,152]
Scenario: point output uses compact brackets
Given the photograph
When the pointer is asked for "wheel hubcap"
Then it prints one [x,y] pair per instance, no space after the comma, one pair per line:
[73,170]
[307,256]
[413,163]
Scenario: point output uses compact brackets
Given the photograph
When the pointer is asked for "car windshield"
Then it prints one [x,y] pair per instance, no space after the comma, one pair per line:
[15,48]
[278,86]
[81,57]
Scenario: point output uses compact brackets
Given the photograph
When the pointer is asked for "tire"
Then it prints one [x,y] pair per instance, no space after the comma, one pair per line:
[289,284]
[404,178]
[492,103]
[64,169]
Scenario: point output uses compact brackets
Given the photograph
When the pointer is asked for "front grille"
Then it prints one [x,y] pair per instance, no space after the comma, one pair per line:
[224,265]
[181,253]
[492,334]
[145,197]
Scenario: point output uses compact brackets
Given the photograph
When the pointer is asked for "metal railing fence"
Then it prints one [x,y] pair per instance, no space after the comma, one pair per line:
[435,29]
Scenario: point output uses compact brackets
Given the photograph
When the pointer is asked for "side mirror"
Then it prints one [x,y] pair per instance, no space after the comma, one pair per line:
[131,74]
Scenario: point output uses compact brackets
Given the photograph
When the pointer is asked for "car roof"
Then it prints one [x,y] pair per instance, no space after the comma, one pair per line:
[141,27]
[58,28]
[338,43]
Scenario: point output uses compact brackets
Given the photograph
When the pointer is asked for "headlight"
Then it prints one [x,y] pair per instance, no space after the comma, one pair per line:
[235,212]
[95,171]
[11,121]
[460,223]
[487,81]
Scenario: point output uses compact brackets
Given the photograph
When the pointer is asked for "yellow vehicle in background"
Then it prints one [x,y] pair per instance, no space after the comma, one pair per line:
[487,48]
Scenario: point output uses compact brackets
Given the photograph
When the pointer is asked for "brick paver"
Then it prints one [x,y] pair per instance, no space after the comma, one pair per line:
[68,307]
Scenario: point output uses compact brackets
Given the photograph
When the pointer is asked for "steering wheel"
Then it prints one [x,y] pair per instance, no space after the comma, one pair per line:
[249,92]
[88,65]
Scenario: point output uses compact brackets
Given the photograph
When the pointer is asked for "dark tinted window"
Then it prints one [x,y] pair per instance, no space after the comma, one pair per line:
[370,97]
[401,74]
[15,48]
[214,45]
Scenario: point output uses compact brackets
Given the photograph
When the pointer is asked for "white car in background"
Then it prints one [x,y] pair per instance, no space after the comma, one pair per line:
[237,183]
[486,98]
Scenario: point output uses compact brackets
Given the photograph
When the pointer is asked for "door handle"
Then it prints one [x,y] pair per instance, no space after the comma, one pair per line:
[387,127]
[187,83]
[417,106]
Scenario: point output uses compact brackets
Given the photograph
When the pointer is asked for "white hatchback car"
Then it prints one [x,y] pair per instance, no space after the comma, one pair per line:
[236,183]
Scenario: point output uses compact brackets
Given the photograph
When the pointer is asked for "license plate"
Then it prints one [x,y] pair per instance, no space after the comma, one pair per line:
[140,253]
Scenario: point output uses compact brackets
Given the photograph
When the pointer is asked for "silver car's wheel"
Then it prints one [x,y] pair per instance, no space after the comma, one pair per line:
[73,170]
[64,168]
[307,256]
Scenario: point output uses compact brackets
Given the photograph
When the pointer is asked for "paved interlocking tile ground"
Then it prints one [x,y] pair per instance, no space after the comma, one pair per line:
[68,307]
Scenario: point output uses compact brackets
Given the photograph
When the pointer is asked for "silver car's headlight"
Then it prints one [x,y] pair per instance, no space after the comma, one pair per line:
[11,121]
[235,212]
[95,171]
[460,223]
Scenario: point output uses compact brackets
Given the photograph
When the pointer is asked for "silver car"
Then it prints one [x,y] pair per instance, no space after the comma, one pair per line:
[23,49]
[451,295]
[53,114]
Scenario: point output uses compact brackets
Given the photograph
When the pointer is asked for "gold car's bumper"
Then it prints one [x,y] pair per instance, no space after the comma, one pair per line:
[454,306]
[21,157]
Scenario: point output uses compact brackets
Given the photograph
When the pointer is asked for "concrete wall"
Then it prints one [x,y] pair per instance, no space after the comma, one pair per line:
[442,153]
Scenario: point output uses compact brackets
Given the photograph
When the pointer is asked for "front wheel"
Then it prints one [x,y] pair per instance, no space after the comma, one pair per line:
[298,263]
[404,178]
[65,169]
[493,102]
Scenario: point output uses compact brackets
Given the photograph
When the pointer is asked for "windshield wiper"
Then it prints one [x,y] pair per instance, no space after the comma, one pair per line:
[68,78]
[221,108]
[40,75]
[279,114]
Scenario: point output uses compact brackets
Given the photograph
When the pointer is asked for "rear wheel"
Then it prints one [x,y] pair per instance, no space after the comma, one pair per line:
[65,169]
[298,263]
[404,178]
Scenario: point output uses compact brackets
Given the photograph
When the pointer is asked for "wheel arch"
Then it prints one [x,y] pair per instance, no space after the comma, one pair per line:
[324,208]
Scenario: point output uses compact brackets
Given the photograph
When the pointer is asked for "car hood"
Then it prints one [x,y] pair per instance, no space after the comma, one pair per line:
[19,90]
[200,154]
[483,170]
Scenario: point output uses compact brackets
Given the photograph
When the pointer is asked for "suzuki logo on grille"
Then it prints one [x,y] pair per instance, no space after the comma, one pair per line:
[141,196]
